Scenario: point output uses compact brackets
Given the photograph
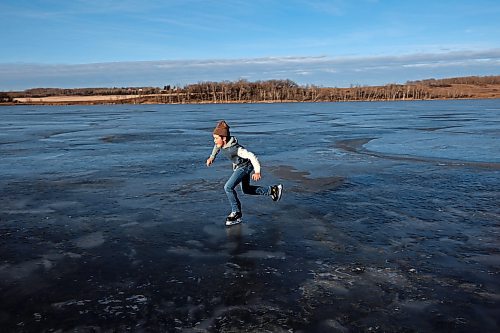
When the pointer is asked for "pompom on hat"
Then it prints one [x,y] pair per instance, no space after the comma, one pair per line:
[222,129]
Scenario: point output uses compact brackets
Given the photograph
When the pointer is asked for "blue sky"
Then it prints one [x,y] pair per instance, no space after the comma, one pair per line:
[60,43]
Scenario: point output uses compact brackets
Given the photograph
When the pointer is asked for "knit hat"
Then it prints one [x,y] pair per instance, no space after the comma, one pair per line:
[222,129]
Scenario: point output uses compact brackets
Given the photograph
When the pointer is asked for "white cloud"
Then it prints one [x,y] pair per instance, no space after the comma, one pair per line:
[319,70]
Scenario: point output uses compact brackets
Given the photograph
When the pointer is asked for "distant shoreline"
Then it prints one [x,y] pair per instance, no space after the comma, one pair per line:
[117,100]
[272,91]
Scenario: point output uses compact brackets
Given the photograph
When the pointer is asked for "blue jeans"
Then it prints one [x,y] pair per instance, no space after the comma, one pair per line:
[242,175]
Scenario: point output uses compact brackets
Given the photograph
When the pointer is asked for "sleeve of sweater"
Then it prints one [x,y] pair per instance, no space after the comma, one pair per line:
[215,151]
[243,153]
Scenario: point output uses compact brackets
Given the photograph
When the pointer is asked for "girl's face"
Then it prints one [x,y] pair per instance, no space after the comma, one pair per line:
[219,140]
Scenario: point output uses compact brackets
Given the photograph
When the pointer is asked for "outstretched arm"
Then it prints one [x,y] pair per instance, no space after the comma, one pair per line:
[214,153]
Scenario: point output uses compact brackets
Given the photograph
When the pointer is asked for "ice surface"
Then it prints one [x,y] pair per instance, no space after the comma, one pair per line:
[110,220]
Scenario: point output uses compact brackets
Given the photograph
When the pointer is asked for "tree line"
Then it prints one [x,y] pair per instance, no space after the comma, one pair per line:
[289,91]
[472,80]
[243,91]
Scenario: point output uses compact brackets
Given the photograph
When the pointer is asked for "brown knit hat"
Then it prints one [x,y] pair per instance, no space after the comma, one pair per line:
[222,129]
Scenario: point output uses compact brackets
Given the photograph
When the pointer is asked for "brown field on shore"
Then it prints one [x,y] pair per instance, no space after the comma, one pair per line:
[73,99]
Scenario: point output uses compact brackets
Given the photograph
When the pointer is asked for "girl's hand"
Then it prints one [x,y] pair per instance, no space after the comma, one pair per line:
[209,161]
[256,176]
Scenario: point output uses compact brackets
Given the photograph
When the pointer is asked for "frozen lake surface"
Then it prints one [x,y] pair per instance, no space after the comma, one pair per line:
[390,221]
